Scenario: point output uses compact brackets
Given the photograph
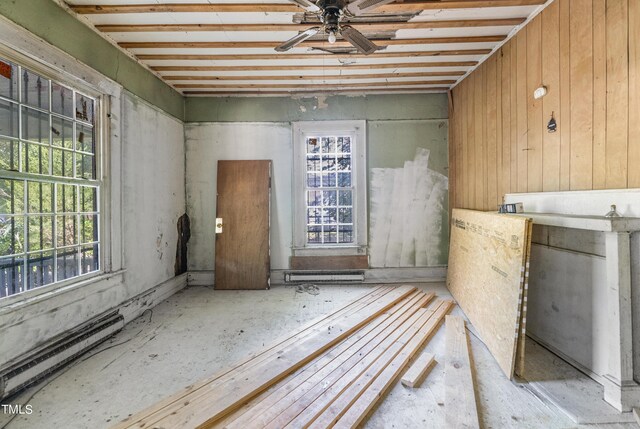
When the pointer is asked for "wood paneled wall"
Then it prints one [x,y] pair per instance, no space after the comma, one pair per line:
[587,54]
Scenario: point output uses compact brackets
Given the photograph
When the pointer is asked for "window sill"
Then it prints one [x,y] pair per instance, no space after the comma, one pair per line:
[329,251]
[44,293]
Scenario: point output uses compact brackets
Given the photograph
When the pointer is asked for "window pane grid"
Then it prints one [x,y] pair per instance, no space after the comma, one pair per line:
[49,214]
[329,214]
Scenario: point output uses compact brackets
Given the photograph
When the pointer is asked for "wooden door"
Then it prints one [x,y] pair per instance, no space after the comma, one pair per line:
[242,245]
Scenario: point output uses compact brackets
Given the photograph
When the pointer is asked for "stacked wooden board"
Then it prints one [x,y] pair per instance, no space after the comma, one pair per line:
[331,373]
[488,277]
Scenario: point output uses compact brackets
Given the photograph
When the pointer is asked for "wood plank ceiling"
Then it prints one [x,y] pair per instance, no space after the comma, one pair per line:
[226,47]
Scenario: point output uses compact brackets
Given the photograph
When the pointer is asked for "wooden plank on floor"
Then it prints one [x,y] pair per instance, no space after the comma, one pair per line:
[418,371]
[460,403]
[382,372]
[312,403]
[267,352]
[485,276]
[215,403]
[377,390]
[260,412]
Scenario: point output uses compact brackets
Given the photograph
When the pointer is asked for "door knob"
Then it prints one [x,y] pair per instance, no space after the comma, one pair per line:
[218,225]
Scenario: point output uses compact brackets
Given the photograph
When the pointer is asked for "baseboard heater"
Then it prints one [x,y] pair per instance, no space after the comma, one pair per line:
[33,368]
[324,276]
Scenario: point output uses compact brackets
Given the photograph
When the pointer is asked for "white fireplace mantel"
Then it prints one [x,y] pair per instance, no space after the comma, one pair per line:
[620,388]
[592,223]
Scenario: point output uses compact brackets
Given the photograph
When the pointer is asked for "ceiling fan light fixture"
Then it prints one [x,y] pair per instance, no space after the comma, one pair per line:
[330,16]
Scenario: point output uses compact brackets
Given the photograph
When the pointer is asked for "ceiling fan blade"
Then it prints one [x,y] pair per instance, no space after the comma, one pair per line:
[365,6]
[297,39]
[358,40]
[307,5]
[338,51]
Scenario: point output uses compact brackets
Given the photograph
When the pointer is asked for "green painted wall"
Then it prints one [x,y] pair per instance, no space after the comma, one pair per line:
[285,109]
[397,125]
[46,19]
[391,143]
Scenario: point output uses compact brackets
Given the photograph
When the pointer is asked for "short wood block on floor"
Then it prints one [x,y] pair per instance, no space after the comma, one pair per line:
[419,370]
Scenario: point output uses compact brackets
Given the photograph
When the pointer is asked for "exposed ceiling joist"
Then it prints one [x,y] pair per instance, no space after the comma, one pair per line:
[300,85]
[317,77]
[197,46]
[420,5]
[310,44]
[224,57]
[89,9]
[317,67]
[369,26]
[315,92]
[411,5]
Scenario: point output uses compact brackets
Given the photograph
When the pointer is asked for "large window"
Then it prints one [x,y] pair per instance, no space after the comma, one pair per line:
[49,181]
[330,189]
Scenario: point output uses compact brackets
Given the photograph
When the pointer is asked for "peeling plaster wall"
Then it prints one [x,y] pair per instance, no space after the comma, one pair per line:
[153,193]
[152,174]
[260,128]
[285,109]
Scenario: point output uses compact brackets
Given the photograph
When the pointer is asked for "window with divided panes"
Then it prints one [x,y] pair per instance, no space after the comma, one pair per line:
[49,186]
[329,190]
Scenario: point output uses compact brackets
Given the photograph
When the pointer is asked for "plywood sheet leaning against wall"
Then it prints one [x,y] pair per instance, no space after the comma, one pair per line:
[486,276]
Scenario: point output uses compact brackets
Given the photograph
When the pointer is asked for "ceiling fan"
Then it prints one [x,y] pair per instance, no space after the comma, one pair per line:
[330,13]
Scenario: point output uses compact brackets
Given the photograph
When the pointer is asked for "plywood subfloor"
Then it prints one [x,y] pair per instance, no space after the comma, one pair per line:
[183,339]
